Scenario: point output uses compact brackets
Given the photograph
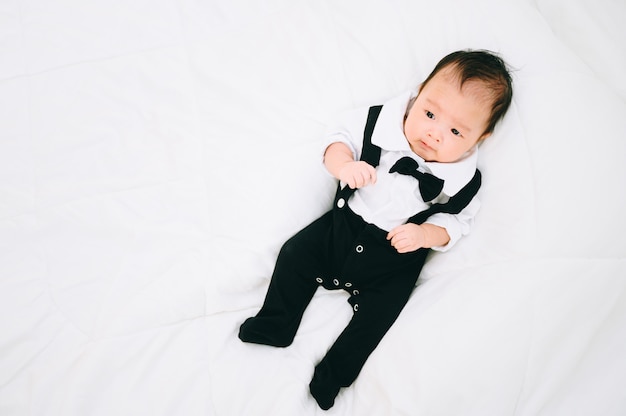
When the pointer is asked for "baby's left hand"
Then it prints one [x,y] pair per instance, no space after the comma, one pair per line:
[407,237]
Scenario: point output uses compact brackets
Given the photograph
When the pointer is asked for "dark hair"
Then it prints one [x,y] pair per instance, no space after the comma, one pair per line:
[486,67]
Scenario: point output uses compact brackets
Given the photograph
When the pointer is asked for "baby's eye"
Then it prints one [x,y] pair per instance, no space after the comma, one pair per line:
[455,132]
[430,115]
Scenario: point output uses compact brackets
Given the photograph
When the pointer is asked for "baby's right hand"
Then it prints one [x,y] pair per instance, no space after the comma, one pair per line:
[357,174]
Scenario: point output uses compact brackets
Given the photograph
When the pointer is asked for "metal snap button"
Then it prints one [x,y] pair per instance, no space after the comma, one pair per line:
[336,282]
[341,202]
[355,292]
[319,280]
[359,248]
[348,284]
[356,307]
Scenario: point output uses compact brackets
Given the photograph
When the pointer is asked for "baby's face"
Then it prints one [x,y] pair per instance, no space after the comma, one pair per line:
[445,122]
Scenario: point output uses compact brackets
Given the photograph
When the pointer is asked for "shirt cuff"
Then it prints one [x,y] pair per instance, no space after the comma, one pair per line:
[453,227]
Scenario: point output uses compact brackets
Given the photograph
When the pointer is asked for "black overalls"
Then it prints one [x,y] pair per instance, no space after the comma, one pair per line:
[341,251]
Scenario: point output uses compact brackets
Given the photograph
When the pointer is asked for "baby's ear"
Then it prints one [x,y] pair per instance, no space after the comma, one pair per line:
[483,137]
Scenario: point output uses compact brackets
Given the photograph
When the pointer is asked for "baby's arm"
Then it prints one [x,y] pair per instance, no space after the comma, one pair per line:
[340,163]
[410,237]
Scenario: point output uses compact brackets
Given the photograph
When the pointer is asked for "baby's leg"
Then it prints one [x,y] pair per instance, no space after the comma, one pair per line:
[374,313]
[293,284]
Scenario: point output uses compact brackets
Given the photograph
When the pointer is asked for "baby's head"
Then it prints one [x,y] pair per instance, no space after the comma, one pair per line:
[458,105]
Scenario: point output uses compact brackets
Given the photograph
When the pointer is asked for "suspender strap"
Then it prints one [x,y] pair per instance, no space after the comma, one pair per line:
[371,152]
[455,204]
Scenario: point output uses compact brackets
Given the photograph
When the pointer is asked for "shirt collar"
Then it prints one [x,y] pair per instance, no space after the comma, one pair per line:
[389,135]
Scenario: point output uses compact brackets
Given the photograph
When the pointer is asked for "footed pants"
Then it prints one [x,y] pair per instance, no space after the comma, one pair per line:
[337,251]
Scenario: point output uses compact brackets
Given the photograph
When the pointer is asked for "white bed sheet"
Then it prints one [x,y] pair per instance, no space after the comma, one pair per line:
[154,155]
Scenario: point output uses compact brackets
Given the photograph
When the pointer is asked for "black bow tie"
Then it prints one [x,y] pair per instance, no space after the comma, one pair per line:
[430,185]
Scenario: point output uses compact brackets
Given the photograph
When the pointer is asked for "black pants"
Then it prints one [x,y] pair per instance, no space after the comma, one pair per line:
[338,251]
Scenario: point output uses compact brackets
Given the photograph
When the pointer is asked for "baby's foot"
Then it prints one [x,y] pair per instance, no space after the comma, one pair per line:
[256,330]
[323,393]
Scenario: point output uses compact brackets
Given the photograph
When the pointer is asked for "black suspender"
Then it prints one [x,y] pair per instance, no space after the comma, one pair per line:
[455,204]
[371,154]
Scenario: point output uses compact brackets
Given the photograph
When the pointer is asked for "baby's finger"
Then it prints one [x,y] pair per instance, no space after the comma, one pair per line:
[372,175]
[395,231]
[352,182]
[360,179]
[400,246]
[372,172]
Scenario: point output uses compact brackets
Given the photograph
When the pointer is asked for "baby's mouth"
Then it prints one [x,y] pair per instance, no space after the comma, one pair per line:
[425,145]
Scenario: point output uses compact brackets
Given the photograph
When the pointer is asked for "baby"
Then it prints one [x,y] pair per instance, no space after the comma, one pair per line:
[408,184]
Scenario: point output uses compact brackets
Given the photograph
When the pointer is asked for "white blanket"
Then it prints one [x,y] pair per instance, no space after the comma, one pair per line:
[154,156]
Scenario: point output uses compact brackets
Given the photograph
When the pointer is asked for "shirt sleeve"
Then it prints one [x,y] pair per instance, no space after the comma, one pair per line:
[457,225]
[347,129]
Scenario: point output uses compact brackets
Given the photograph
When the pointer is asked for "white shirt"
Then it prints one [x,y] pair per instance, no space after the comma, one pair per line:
[394,198]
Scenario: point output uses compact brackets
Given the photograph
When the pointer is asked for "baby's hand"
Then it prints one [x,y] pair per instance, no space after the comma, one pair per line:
[407,237]
[357,174]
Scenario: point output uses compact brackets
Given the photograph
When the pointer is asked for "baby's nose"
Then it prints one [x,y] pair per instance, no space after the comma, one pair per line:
[435,134]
